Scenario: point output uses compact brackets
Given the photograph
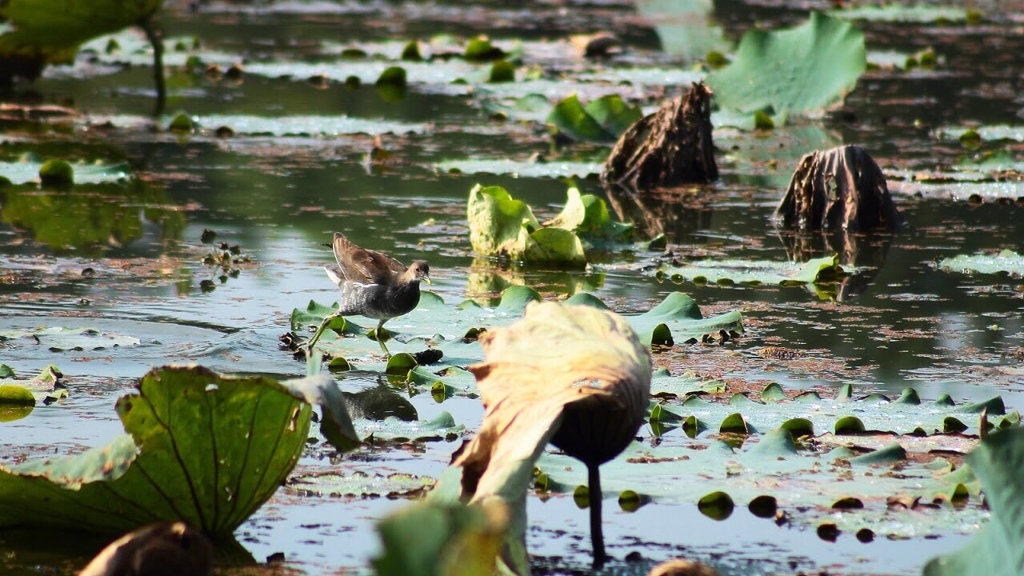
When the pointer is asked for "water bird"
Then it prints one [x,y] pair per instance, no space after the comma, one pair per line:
[372,284]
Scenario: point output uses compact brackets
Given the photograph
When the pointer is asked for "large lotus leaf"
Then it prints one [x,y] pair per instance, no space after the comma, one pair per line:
[678,319]
[49,31]
[805,484]
[800,70]
[453,329]
[498,223]
[199,447]
[1006,261]
[502,226]
[996,550]
[754,272]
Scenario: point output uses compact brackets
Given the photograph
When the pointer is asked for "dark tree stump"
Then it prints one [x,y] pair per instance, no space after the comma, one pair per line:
[670,147]
[838,189]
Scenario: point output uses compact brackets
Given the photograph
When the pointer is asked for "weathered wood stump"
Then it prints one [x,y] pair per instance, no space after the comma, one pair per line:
[670,147]
[838,189]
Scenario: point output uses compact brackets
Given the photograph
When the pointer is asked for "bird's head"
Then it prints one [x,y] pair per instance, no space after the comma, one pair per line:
[419,270]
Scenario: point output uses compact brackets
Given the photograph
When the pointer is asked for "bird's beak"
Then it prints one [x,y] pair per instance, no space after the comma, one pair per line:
[426,279]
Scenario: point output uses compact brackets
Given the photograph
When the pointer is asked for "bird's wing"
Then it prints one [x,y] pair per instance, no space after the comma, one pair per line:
[362,265]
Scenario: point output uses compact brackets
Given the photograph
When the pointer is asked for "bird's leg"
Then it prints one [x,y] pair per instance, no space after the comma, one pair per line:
[380,339]
[319,332]
[596,535]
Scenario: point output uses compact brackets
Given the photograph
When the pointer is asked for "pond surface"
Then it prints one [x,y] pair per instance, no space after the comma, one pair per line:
[127,260]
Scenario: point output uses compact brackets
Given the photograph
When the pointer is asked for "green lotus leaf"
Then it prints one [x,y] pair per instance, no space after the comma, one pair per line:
[499,224]
[199,447]
[995,550]
[587,216]
[16,395]
[799,70]
[613,114]
[601,120]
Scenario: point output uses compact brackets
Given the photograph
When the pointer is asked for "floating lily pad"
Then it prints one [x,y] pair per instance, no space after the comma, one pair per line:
[755,272]
[308,125]
[521,169]
[453,329]
[918,13]
[358,484]
[799,70]
[441,427]
[85,172]
[1007,261]
[59,339]
[872,413]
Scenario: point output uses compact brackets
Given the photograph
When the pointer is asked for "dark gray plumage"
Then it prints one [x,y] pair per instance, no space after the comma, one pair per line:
[373,284]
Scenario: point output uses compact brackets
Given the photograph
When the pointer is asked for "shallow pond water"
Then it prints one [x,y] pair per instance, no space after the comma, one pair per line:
[296,169]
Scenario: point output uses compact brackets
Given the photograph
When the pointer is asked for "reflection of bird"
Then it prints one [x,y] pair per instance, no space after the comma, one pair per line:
[372,284]
[576,376]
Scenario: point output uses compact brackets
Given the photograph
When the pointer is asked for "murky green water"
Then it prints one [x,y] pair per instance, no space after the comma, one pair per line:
[296,169]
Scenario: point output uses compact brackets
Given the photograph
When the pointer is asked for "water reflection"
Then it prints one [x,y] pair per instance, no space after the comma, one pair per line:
[865,251]
[91,219]
[675,213]
[489,277]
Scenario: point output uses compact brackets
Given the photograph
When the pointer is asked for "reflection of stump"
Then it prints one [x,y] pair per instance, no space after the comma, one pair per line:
[675,212]
[670,147]
[838,189]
